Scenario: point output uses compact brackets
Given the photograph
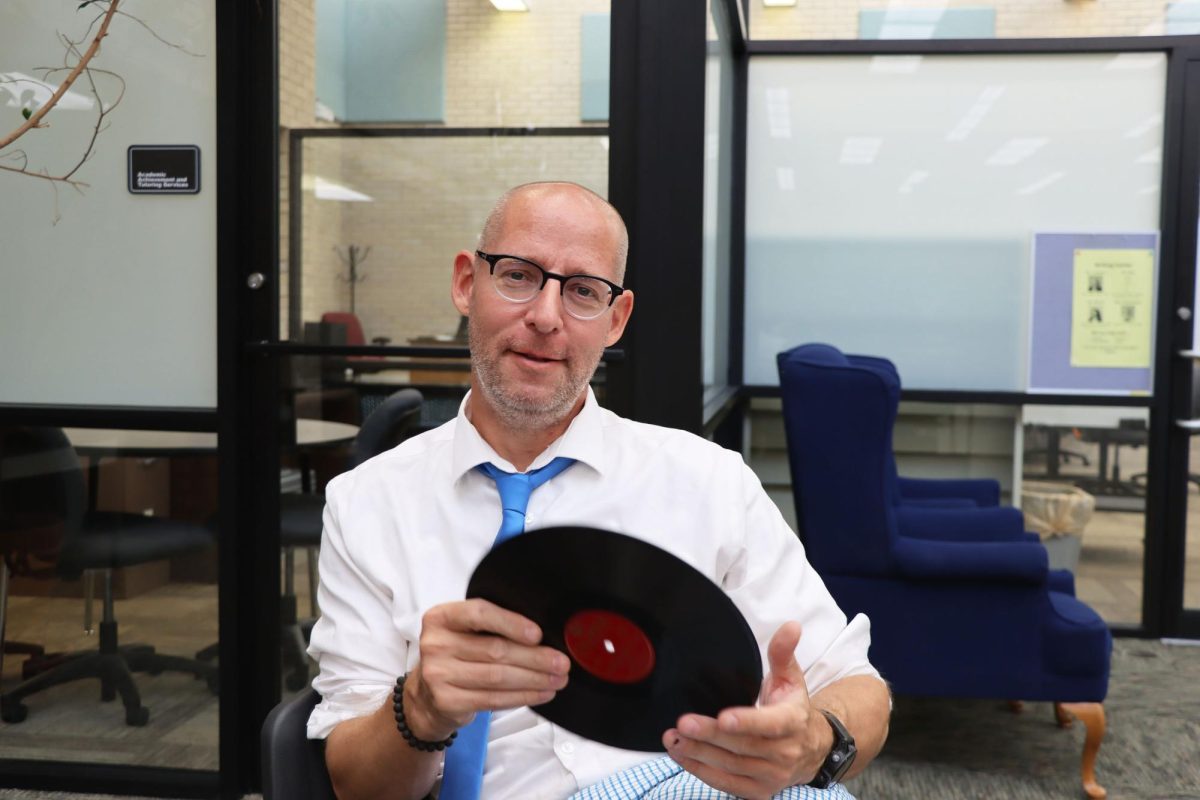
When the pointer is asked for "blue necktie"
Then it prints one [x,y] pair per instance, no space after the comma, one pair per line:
[463,774]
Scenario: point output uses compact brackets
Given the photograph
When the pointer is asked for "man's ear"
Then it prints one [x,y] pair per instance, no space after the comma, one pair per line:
[621,309]
[463,281]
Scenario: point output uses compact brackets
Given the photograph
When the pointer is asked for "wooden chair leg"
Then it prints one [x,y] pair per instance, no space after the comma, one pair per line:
[1092,717]
[1016,706]
[1062,717]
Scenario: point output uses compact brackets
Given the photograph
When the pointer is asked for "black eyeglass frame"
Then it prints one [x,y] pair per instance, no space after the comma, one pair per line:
[492,258]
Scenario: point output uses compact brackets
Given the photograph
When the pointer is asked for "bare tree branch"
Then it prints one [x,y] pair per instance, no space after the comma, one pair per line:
[35,119]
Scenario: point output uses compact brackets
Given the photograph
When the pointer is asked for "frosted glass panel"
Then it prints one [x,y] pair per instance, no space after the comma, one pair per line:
[108,297]
[891,201]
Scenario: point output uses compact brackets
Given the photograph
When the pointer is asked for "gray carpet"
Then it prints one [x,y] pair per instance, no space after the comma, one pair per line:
[943,749]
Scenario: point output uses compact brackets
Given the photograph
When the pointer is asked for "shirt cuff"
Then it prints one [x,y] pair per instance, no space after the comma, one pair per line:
[351,703]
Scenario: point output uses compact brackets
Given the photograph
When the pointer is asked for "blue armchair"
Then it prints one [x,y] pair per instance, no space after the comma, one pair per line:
[961,600]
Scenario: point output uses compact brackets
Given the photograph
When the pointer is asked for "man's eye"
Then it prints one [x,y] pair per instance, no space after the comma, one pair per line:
[584,292]
[516,276]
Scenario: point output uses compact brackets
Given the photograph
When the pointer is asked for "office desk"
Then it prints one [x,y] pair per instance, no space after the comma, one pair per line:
[1109,428]
[136,443]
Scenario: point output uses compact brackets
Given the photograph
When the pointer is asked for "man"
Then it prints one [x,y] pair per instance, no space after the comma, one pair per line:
[404,531]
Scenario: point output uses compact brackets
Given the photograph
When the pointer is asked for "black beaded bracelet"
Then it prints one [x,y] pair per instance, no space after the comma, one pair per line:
[402,723]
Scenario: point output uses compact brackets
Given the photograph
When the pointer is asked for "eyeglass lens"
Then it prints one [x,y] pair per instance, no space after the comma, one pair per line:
[519,281]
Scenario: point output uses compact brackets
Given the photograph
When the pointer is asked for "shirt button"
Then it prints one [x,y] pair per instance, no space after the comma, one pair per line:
[567,748]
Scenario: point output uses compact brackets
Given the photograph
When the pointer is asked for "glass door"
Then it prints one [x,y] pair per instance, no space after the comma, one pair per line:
[1179,568]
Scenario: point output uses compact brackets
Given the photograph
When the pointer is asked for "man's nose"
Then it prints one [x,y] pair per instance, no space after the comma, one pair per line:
[545,311]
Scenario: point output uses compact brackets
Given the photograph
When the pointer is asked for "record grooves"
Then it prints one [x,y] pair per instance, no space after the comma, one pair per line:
[649,637]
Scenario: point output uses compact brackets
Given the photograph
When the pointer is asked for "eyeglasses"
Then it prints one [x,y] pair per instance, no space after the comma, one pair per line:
[519,280]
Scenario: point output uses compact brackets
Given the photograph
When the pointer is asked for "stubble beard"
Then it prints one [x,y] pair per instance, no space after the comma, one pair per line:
[525,411]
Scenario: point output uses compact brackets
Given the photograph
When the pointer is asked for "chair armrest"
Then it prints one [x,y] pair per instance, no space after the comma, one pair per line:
[1061,580]
[984,491]
[939,502]
[1012,562]
[999,524]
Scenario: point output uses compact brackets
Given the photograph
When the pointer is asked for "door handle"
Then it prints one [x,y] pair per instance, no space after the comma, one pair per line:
[1192,425]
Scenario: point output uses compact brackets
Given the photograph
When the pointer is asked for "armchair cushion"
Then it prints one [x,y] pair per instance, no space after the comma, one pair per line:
[1013,562]
[980,491]
[972,524]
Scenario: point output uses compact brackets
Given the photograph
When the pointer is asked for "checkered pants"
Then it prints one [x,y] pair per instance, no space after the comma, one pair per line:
[663,779]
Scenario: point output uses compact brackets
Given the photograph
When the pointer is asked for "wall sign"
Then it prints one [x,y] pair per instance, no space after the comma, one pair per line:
[164,169]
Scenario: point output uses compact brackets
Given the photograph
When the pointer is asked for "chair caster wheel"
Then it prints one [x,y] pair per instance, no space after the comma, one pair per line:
[13,712]
[137,717]
[108,692]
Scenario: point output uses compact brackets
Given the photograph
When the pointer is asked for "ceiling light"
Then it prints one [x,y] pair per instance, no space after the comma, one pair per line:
[510,5]
[328,190]
[860,149]
[1015,151]
[1037,186]
[770,3]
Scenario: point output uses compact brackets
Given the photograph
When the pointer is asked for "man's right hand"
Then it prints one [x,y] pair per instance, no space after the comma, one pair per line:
[477,656]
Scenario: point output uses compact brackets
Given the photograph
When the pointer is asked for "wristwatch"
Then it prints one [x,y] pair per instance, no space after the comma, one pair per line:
[840,757]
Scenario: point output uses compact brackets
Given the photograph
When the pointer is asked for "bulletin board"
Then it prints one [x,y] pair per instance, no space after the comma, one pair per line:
[1092,313]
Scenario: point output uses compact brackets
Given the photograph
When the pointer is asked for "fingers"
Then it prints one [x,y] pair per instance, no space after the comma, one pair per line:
[476,656]
[482,616]
[747,731]
[781,652]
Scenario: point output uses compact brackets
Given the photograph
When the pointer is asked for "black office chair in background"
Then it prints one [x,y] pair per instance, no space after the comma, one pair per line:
[300,522]
[41,484]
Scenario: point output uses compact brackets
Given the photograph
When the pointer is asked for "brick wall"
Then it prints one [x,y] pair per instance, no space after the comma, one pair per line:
[838,19]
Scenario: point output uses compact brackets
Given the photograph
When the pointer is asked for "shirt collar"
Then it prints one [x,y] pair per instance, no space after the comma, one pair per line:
[583,441]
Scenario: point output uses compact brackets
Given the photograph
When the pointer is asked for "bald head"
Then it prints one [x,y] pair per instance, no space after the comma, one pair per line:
[532,193]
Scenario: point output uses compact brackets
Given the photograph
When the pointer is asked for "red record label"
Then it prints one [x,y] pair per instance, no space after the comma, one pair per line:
[609,646]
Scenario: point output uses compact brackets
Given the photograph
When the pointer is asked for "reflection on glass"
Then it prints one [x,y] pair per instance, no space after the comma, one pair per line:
[113,573]
[1191,569]
[718,163]
[1083,491]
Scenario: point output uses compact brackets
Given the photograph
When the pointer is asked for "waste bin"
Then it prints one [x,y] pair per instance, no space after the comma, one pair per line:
[1058,512]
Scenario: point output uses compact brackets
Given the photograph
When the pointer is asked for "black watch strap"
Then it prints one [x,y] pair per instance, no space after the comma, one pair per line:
[840,757]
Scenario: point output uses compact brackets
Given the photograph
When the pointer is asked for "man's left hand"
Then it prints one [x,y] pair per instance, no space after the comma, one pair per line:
[757,752]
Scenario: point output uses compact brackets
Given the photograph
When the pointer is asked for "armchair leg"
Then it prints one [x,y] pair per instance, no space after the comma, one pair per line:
[1092,717]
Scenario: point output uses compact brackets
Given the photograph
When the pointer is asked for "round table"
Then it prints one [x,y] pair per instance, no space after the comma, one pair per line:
[114,441]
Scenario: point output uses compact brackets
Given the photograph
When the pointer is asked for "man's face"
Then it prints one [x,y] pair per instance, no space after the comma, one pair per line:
[532,360]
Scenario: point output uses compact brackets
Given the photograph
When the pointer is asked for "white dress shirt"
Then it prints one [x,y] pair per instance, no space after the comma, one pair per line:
[404,531]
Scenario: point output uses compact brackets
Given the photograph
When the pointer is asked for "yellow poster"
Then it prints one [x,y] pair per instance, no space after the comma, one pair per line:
[1112,308]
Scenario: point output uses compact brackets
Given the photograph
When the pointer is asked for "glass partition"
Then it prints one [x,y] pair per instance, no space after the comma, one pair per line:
[110,631]
[892,201]
[1083,490]
[382,217]
[108,208]
[718,167]
[969,19]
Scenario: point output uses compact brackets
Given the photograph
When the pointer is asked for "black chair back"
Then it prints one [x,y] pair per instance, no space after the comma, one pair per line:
[293,766]
[387,425]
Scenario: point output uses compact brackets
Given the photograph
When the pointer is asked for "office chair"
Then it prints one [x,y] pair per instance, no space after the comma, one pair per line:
[293,766]
[300,522]
[961,600]
[41,485]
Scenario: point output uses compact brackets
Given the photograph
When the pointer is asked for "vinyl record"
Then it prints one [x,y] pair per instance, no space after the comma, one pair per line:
[649,637]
